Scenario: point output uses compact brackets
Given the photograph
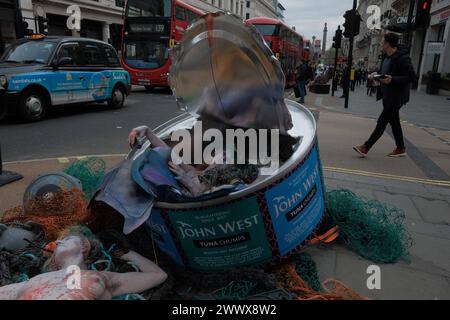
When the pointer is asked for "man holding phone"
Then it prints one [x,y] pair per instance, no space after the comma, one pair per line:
[393,82]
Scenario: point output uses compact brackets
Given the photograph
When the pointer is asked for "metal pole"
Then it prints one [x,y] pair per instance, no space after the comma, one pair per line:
[412,5]
[334,84]
[421,58]
[7,176]
[350,58]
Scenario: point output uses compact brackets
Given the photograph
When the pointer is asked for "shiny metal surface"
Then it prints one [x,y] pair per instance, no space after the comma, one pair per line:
[304,125]
[223,69]
[34,105]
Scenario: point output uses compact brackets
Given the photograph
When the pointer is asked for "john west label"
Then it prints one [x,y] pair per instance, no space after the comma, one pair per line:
[226,236]
[296,205]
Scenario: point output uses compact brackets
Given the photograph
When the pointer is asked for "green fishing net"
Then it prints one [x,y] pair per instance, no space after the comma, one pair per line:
[236,290]
[90,171]
[307,270]
[370,228]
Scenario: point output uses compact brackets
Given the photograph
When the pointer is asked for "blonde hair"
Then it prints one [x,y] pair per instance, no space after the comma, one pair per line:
[91,246]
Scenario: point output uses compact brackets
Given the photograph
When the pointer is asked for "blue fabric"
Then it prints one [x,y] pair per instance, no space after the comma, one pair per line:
[134,186]
[302,90]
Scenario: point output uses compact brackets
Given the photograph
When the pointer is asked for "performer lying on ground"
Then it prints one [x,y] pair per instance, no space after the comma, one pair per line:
[60,283]
[206,177]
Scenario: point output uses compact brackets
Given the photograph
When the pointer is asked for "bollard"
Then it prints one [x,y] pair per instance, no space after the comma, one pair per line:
[7,177]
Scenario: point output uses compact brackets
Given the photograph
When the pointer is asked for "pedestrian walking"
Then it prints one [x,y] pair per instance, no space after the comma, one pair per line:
[302,75]
[352,79]
[345,81]
[397,74]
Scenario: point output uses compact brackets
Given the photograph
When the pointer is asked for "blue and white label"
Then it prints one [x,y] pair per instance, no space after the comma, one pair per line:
[296,205]
[157,228]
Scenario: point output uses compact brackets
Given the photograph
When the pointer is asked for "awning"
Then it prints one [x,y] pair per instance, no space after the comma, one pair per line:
[399,24]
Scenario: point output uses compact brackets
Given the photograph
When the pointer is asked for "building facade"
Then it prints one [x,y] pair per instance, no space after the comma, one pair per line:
[9,22]
[438,34]
[367,52]
[100,19]
[246,9]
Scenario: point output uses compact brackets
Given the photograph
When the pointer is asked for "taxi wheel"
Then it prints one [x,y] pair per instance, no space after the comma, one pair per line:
[32,105]
[117,98]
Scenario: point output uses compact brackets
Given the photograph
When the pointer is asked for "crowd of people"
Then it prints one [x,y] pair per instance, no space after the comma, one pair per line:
[357,77]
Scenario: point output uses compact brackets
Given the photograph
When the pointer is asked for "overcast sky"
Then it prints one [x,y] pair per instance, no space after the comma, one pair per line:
[309,16]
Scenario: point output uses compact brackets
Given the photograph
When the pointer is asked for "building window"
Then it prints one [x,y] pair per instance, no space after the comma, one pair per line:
[231,5]
[248,4]
[247,16]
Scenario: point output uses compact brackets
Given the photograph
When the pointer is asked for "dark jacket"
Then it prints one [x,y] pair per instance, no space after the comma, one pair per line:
[402,72]
[303,72]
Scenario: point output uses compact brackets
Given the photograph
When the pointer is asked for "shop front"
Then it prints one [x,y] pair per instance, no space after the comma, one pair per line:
[8,23]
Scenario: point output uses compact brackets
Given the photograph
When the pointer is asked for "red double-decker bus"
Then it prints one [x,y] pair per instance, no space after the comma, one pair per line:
[286,44]
[150,29]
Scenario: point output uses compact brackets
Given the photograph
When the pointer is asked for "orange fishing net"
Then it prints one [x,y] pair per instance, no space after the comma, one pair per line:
[64,209]
[288,278]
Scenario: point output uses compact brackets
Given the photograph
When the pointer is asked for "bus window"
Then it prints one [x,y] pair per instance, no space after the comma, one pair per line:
[148,8]
[181,14]
[267,29]
[146,54]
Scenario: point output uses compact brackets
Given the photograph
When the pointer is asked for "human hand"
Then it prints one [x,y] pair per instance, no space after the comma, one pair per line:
[129,256]
[372,75]
[137,132]
[182,175]
[386,80]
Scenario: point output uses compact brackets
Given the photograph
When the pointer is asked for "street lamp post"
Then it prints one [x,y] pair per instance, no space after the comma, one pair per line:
[350,57]
[412,4]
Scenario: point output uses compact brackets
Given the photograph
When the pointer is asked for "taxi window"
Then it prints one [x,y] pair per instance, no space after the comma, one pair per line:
[92,54]
[70,50]
[111,56]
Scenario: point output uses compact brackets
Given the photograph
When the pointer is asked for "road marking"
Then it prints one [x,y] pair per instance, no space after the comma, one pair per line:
[444,183]
[63,159]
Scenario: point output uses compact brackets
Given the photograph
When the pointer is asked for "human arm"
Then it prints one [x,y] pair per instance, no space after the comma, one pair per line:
[144,131]
[135,282]
[406,72]
[11,291]
[188,177]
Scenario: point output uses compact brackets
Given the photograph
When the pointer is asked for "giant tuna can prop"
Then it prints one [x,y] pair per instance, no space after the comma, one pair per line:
[275,216]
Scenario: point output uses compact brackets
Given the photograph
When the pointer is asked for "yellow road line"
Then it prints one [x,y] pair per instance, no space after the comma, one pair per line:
[63,160]
[443,183]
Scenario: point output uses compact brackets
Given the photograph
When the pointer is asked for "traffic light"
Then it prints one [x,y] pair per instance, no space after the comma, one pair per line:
[423,13]
[352,22]
[337,39]
[348,23]
[25,28]
[43,25]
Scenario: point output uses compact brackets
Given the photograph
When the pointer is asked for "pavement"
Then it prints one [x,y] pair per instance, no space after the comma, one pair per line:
[418,184]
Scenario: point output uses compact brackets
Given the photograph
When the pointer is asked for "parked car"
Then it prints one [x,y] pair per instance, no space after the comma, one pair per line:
[40,72]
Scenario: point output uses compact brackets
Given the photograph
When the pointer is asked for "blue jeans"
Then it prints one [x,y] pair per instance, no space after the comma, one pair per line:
[302,89]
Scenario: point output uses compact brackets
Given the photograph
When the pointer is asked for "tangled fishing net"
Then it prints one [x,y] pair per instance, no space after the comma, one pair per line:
[307,270]
[23,264]
[287,277]
[370,228]
[64,209]
[90,171]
